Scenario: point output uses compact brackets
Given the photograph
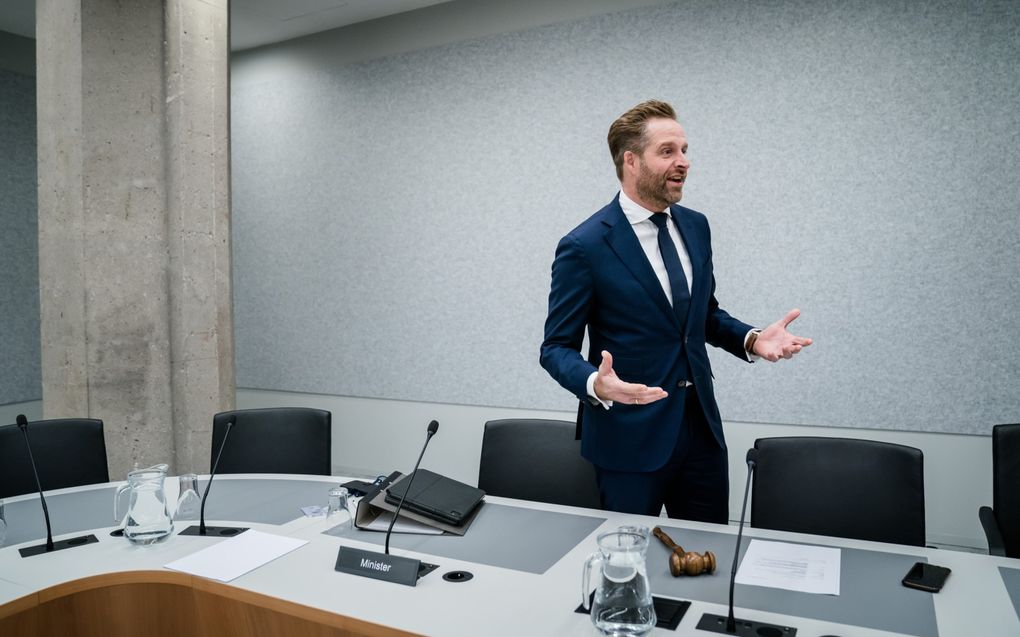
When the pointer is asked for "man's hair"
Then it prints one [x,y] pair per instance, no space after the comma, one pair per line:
[628,131]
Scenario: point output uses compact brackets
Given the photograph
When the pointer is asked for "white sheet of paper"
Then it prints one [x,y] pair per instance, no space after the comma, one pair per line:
[793,567]
[230,559]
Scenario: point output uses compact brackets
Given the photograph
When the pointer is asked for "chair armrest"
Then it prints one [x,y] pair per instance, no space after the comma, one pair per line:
[996,545]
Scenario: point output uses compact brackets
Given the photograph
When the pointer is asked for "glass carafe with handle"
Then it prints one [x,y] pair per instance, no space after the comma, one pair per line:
[622,604]
[148,519]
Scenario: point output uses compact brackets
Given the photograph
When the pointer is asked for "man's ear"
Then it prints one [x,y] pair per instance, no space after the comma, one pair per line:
[629,159]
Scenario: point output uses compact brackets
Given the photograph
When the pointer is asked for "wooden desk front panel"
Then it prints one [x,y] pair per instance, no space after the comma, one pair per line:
[168,604]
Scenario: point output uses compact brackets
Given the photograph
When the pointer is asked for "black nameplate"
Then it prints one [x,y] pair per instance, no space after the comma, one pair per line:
[388,568]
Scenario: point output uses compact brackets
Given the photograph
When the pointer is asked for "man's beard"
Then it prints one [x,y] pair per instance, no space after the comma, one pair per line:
[652,188]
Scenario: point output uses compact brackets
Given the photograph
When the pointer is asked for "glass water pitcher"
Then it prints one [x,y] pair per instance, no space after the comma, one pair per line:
[148,519]
[622,604]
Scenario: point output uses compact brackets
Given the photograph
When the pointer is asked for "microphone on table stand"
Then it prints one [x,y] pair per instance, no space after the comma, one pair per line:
[433,428]
[729,625]
[201,528]
[383,566]
[50,545]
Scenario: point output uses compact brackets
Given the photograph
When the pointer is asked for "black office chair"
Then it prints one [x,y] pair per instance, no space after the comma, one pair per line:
[69,452]
[533,459]
[276,440]
[1001,521]
[860,489]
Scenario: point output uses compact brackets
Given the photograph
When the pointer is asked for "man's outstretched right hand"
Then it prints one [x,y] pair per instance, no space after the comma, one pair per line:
[609,387]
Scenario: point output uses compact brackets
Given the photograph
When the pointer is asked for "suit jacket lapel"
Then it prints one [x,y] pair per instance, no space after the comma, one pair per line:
[622,240]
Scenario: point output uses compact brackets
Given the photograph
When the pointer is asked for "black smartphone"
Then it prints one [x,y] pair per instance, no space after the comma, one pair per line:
[358,487]
[926,577]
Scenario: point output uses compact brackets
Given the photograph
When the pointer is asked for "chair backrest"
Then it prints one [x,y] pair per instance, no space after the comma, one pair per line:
[534,459]
[276,440]
[861,489]
[1005,479]
[68,452]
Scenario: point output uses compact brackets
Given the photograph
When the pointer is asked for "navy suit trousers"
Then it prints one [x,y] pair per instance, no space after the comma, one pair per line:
[693,484]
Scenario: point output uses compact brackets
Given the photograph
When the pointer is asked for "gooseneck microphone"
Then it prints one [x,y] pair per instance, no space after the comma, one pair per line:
[50,545]
[433,428]
[23,426]
[383,566]
[730,625]
[208,485]
[202,529]
[752,462]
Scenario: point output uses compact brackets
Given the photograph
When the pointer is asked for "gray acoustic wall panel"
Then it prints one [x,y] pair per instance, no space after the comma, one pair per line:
[395,219]
[20,372]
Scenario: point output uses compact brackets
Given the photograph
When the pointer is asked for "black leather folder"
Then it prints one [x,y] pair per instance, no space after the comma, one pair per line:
[437,497]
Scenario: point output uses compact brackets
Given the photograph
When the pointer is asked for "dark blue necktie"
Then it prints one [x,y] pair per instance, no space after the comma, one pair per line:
[675,271]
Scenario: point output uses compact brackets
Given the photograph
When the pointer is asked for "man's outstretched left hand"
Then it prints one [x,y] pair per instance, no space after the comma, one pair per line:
[776,342]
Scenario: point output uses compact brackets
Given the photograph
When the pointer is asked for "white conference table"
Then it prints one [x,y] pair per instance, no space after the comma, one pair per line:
[526,559]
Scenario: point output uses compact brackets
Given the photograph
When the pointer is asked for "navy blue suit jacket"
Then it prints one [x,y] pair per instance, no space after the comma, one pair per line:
[602,280]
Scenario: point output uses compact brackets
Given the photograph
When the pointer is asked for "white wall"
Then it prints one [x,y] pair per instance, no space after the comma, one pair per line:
[372,436]
[349,281]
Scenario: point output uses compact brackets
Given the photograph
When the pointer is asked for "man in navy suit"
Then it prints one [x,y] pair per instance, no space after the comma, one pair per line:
[638,276]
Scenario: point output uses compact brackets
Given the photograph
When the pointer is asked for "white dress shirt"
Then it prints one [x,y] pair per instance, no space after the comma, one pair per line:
[647,233]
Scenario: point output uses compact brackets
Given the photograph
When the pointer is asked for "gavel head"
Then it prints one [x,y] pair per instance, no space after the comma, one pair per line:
[690,563]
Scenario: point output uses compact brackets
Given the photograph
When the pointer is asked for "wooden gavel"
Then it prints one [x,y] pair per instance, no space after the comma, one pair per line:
[682,562]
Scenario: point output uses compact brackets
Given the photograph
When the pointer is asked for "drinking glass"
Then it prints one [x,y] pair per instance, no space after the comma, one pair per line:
[189,504]
[338,511]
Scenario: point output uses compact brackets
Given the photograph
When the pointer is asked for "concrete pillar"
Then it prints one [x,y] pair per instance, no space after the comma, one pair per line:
[198,180]
[134,230]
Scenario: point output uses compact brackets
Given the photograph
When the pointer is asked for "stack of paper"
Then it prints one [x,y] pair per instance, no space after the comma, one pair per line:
[793,567]
[233,558]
